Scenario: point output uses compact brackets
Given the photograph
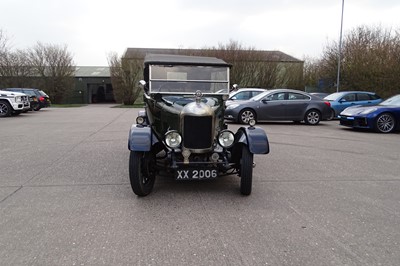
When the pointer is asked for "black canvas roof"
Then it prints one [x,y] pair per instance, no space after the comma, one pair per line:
[164,59]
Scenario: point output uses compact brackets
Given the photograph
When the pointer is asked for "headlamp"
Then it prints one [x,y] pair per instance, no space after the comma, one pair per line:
[173,139]
[226,138]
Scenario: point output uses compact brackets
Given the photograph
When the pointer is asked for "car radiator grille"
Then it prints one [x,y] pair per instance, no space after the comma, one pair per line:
[197,132]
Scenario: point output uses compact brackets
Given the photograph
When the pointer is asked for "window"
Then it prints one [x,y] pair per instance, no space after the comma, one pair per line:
[351,97]
[276,96]
[297,96]
[363,97]
[244,95]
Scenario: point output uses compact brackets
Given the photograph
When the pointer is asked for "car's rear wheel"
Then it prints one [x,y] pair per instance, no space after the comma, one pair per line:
[36,107]
[5,109]
[246,115]
[246,171]
[141,172]
[312,117]
[385,123]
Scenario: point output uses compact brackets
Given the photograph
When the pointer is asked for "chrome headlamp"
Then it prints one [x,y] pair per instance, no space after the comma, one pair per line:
[140,120]
[226,138]
[173,139]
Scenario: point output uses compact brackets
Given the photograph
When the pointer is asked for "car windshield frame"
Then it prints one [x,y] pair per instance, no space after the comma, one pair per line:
[188,79]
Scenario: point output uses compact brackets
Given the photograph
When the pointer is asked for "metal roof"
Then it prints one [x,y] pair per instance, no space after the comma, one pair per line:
[267,56]
[92,71]
[183,59]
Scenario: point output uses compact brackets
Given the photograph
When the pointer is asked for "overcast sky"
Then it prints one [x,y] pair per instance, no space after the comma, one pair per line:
[93,28]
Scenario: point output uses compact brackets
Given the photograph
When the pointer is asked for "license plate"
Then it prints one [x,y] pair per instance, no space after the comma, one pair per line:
[191,174]
[350,118]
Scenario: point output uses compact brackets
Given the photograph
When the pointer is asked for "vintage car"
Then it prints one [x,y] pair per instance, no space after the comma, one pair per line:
[182,130]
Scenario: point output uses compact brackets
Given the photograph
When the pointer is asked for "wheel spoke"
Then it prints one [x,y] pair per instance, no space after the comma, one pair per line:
[385,123]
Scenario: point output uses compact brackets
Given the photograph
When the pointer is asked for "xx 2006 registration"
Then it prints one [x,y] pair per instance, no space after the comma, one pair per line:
[186,174]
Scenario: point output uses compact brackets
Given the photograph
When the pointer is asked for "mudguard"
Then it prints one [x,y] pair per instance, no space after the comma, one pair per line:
[141,138]
[255,138]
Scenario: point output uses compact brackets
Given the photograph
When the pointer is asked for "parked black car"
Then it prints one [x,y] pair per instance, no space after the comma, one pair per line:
[42,98]
[280,104]
[182,129]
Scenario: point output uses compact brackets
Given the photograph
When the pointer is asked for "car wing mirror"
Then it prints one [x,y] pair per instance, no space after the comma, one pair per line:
[265,100]
[234,87]
[143,85]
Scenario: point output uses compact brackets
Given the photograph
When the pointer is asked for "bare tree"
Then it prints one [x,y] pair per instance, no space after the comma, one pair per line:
[125,76]
[370,61]
[15,70]
[54,65]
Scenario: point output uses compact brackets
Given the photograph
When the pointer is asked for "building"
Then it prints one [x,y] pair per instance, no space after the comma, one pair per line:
[92,85]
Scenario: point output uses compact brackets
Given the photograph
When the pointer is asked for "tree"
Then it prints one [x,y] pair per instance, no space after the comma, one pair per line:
[370,61]
[125,76]
[53,64]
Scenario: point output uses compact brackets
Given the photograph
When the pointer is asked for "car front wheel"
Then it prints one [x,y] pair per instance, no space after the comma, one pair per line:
[246,115]
[312,117]
[5,109]
[141,172]
[385,123]
[246,171]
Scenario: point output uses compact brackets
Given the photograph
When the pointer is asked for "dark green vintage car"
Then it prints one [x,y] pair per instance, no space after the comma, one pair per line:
[182,131]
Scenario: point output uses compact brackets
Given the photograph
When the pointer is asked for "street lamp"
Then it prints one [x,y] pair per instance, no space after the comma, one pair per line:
[340,50]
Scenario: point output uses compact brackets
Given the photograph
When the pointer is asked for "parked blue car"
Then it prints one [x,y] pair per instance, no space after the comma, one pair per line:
[341,100]
[383,118]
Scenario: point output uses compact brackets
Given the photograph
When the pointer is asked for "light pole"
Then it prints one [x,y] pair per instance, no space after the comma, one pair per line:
[340,50]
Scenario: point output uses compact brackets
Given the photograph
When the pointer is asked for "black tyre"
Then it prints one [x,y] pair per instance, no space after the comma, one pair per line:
[312,117]
[141,172]
[245,116]
[5,109]
[246,171]
[36,107]
[385,123]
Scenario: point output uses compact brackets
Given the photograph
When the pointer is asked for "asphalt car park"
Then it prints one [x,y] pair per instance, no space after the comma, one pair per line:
[323,195]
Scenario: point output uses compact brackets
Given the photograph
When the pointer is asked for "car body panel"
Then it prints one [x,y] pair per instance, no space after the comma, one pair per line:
[341,100]
[366,116]
[182,131]
[42,98]
[279,104]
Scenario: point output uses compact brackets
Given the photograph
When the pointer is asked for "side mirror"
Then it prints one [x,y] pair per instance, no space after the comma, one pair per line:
[265,100]
[235,87]
[142,84]
[342,100]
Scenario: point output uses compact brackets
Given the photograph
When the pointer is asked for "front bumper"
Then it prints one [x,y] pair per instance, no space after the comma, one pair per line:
[354,121]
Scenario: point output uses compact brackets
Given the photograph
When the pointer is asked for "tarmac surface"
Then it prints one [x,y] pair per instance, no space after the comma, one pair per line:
[325,195]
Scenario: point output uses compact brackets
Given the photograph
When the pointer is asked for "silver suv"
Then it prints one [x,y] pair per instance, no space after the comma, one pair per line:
[13,103]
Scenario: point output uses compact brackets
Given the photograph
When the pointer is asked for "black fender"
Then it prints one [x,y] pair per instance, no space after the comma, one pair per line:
[254,137]
[141,138]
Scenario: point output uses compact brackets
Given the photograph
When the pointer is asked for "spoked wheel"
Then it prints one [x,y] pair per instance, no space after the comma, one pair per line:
[142,172]
[312,117]
[246,171]
[246,115]
[385,123]
[5,109]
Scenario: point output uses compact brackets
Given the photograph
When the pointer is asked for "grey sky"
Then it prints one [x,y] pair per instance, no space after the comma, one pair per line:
[93,28]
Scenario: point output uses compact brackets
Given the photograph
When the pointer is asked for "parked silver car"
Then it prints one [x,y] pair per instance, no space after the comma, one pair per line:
[243,94]
[280,104]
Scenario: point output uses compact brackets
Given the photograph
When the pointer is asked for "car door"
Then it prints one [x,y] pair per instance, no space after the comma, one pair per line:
[346,101]
[272,106]
[296,105]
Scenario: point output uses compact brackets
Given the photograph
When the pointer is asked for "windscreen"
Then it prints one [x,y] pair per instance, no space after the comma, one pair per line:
[189,79]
